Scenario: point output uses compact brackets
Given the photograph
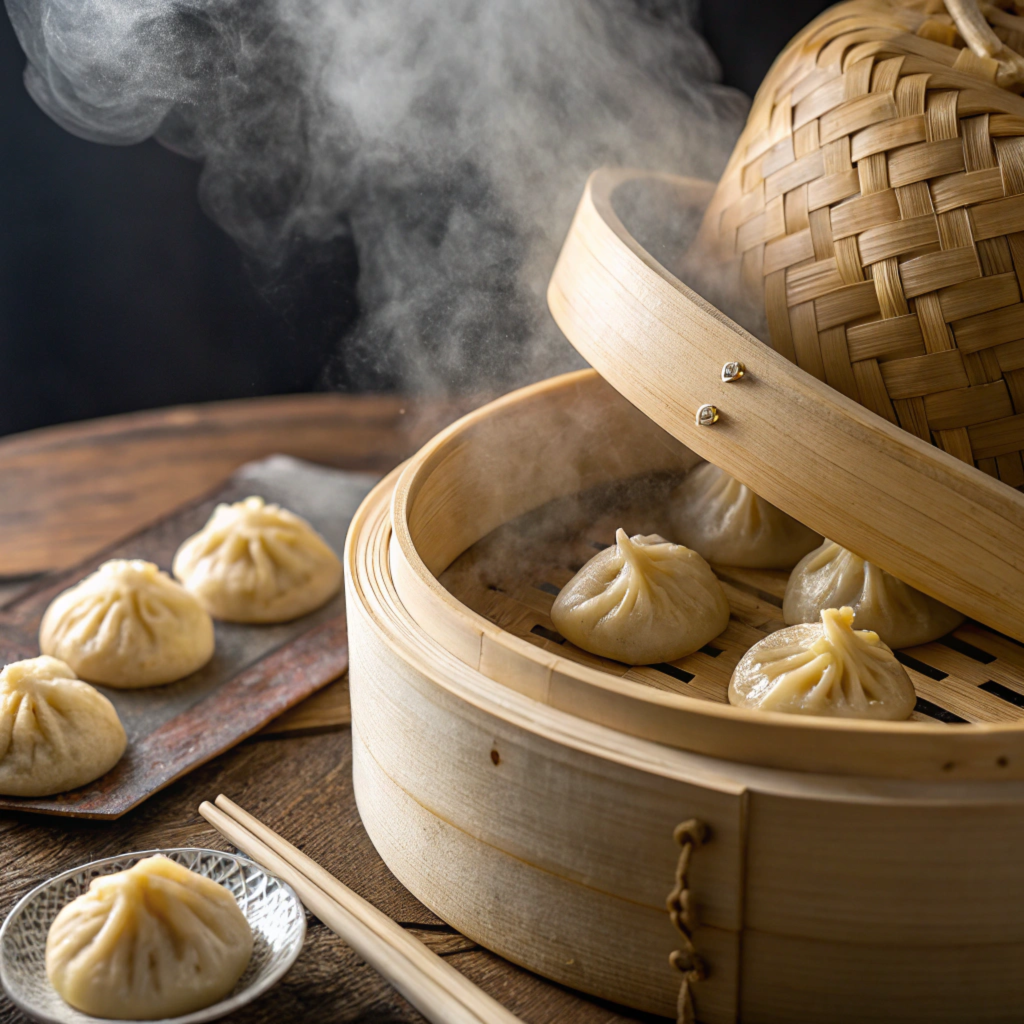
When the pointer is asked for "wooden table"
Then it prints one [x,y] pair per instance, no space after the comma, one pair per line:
[69,490]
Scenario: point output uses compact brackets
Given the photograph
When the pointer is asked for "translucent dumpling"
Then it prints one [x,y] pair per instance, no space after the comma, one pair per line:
[254,562]
[824,668]
[128,625]
[832,576]
[154,941]
[56,732]
[725,521]
[642,601]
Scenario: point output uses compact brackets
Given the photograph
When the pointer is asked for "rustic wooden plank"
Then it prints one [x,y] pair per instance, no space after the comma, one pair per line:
[326,710]
[71,490]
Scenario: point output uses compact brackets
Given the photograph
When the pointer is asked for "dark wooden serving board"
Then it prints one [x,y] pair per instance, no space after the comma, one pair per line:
[257,672]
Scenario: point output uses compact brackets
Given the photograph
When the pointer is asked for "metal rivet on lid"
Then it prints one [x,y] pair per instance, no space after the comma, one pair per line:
[733,371]
[706,415]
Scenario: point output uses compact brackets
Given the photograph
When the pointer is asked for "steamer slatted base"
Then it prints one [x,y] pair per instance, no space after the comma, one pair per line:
[512,576]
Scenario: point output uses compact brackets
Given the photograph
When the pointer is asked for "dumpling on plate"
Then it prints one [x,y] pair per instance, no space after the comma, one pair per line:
[642,601]
[824,668]
[56,732]
[128,625]
[254,562]
[154,941]
[729,524]
[831,576]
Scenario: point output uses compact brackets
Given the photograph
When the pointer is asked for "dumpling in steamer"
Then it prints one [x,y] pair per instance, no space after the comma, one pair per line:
[128,625]
[729,524]
[832,576]
[254,562]
[56,732]
[154,941]
[824,668]
[642,601]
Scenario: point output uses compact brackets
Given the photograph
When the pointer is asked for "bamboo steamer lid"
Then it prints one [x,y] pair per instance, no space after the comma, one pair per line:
[875,205]
[876,201]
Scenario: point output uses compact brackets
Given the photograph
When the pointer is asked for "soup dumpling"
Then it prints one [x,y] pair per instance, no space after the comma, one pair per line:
[642,601]
[824,668]
[56,732]
[729,524]
[254,562]
[831,576]
[128,625]
[154,941]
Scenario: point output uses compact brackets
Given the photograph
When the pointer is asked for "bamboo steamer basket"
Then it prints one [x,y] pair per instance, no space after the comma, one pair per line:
[553,838]
[875,203]
[549,803]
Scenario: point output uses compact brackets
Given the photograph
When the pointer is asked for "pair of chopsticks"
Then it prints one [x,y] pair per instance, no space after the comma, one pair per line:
[434,987]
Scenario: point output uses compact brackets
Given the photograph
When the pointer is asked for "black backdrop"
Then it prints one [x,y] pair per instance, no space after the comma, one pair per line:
[116,292]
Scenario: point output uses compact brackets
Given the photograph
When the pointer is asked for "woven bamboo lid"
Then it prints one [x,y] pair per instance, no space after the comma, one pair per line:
[876,202]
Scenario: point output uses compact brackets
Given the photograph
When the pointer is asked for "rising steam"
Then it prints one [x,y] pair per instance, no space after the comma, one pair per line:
[449,138]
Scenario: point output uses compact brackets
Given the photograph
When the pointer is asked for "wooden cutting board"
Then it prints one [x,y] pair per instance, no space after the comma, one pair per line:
[257,672]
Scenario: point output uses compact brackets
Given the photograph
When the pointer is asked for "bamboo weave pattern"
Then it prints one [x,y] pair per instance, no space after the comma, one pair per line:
[876,199]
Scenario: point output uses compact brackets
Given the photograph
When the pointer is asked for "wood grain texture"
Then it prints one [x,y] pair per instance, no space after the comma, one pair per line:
[876,489]
[324,711]
[312,803]
[71,490]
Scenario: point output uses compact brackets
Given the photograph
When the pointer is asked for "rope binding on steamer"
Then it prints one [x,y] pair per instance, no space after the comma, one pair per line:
[690,835]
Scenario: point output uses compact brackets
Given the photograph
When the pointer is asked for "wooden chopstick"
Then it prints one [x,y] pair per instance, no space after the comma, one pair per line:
[434,987]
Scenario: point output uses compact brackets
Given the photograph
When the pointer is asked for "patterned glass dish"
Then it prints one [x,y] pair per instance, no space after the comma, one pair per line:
[274,913]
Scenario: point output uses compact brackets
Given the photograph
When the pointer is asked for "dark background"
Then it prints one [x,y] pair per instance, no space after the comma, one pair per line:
[117,293]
